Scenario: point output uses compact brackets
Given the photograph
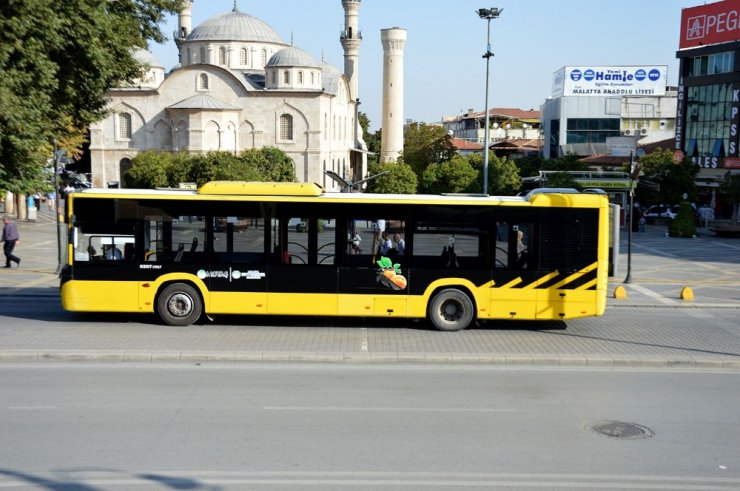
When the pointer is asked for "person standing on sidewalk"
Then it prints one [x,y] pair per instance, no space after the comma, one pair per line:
[10,238]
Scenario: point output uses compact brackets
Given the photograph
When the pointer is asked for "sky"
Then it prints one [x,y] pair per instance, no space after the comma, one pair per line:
[444,71]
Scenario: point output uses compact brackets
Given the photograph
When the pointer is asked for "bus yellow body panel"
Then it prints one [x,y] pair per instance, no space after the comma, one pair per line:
[238,303]
[101,296]
[351,305]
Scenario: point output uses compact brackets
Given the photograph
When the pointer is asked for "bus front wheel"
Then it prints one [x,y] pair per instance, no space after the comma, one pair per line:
[451,310]
[179,305]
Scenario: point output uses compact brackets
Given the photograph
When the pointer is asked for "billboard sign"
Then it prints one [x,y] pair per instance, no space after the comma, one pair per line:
[714,23]
[647,80]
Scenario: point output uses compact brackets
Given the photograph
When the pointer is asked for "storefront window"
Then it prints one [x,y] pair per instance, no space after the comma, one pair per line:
[708,110]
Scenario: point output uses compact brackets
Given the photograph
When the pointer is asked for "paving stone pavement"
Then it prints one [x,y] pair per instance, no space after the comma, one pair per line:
[652,327]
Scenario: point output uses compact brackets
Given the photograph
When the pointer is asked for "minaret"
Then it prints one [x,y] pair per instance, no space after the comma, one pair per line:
[184,25]
[391,143]
[351,37]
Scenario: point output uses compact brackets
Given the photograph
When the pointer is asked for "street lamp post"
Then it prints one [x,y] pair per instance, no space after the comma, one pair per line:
[488,14]
[634,174]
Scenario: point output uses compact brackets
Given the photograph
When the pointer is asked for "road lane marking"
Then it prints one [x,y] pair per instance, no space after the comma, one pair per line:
[363,337]
[654,295]
[390,409]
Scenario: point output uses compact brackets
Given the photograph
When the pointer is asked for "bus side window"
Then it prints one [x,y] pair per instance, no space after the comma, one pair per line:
[523,238]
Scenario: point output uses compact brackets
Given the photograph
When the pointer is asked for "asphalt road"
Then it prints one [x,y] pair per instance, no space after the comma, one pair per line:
[102,426]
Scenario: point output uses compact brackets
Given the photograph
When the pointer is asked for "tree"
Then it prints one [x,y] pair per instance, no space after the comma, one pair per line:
[424,145]
[149,170]
[503,175]
[372,140]
[399,178]
[453,176]
[273,164]
[730,191]
[674,179]
[57,60]
[154,169]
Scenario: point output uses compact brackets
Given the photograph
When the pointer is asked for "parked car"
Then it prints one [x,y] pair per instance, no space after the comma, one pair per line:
[661,211]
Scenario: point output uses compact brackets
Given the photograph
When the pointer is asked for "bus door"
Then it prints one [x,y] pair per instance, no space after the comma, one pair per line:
[302,274]
[105,265]
[373,275]
[238,269]
[514,293]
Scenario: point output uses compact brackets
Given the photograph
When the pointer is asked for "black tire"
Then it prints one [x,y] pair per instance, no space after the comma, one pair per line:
[179,305]
[451,310]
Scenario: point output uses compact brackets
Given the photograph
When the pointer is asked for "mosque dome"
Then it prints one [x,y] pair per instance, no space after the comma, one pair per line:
[235,26]
[292,56]
[146,58]
[331,76]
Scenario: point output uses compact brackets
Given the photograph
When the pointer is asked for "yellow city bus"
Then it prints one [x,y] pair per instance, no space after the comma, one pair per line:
[293,249]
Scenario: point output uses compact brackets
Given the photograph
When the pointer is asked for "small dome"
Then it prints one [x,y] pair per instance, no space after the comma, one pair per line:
[235,26]
[331,76]
[292,56]
[146,58]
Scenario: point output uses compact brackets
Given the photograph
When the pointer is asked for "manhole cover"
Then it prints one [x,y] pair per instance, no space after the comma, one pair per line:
[624,431]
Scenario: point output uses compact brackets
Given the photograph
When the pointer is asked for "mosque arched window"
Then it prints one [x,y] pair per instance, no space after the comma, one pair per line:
[221,55]
[203,56]
[124,126]
[264,57]
[286,77]
[286,127]
[300,78]
[203,81]
[313,78]
[274,77]
[243,57]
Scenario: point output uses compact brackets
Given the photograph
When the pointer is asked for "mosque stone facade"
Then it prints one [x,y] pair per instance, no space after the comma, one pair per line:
[238,86]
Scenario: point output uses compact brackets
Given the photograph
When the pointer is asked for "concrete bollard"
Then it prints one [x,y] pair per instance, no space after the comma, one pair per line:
[620,292]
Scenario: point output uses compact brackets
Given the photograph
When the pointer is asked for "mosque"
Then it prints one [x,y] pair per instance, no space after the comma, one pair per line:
[239,85]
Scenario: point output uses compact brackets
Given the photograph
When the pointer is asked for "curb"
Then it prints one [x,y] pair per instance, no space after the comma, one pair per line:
[380,358]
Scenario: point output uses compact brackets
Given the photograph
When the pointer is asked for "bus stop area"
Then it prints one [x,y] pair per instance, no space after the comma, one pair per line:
[652,326]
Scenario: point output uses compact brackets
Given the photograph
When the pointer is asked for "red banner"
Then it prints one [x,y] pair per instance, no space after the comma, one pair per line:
[710,24]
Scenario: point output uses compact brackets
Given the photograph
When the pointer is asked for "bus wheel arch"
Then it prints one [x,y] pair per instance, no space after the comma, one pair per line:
[179,303]
[451,308]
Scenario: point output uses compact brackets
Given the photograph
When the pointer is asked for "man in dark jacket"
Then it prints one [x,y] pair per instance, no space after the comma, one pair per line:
[10,238]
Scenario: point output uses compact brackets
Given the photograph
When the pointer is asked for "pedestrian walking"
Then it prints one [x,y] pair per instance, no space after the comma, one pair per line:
[10,238]
[51,197]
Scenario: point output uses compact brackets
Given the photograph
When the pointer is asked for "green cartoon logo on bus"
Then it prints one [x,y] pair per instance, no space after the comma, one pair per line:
[390,275]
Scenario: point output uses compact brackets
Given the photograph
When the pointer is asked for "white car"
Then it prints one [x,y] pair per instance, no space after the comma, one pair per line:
[661,211]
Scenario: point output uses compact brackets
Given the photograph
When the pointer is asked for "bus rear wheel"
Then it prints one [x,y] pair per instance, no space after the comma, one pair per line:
[451,310]
[179,305]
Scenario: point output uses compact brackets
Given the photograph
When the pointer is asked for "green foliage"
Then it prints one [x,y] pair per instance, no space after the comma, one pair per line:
[503,175]
[730,191]
[453,176]
[163,169]
[372,140]
[425,145]
[674,179]
[400,178]
[683,225]
[529,166]
[272,163]
[565,164]
[57,60]
[562,180]
[150,170]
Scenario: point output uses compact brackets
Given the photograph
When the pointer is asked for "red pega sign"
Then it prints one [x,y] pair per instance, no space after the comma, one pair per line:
[710,24]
